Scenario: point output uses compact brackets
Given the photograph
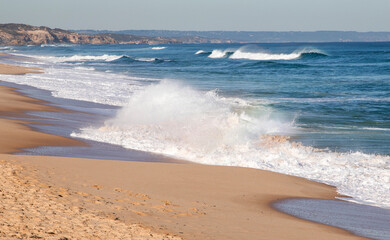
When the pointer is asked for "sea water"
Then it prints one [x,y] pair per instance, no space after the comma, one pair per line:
[315,110]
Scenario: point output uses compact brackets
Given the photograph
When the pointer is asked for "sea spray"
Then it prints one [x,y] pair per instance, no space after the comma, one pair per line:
[171,113]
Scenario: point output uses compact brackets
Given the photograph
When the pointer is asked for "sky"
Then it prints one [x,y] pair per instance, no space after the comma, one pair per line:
[202,15]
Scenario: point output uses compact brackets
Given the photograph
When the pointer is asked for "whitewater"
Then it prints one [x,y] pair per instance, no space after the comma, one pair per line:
[254,53]
[275,108]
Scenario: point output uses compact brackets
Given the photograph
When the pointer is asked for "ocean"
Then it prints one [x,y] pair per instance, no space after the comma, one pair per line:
[315,110]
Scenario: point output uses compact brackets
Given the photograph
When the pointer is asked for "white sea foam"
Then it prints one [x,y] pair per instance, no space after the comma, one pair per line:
[85,68]
[176,120]
[241,54]
[254,53]
[79,58]
[376,129]
[158,48]
[82,83]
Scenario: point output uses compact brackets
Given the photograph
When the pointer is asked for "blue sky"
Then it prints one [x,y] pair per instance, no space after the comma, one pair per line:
[244,15]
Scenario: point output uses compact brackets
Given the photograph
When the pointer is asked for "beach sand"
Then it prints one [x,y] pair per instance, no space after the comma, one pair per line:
[69,198]
[17,70]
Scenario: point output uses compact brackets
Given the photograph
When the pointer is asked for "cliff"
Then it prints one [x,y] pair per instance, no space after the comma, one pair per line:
[21,34]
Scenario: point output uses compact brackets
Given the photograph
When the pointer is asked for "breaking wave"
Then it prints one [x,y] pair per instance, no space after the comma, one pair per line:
[221,54]
[251,53]
[173,119]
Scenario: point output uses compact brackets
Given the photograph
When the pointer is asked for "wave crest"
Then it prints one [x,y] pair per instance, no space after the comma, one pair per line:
[128,59]
[202,52]
[249,53]
[221,54]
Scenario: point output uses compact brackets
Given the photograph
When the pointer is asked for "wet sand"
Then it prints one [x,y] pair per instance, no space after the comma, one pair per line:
[73,198]
[369,221]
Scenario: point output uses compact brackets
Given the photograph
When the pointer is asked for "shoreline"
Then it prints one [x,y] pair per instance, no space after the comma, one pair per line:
[189,200]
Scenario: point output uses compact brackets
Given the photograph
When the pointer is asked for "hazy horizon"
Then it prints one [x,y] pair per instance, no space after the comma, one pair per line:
[202,15]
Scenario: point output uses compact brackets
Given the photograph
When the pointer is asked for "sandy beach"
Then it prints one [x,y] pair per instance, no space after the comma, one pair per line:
[18,70]
[70,198]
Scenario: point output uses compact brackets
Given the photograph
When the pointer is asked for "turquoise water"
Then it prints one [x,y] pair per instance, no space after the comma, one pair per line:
[225,103]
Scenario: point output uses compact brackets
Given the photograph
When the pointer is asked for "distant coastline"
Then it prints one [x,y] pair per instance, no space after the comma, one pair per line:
[259,36]
[22,34]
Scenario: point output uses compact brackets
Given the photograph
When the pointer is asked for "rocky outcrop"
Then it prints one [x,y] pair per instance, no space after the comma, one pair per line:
[21,34]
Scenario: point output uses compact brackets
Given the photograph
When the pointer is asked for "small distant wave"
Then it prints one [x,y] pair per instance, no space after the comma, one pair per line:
[158,48]
[123,58]
[313,54]
[6,48]
[148,59]
[261,55]
[129,59]
[202,52]
[154,60]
